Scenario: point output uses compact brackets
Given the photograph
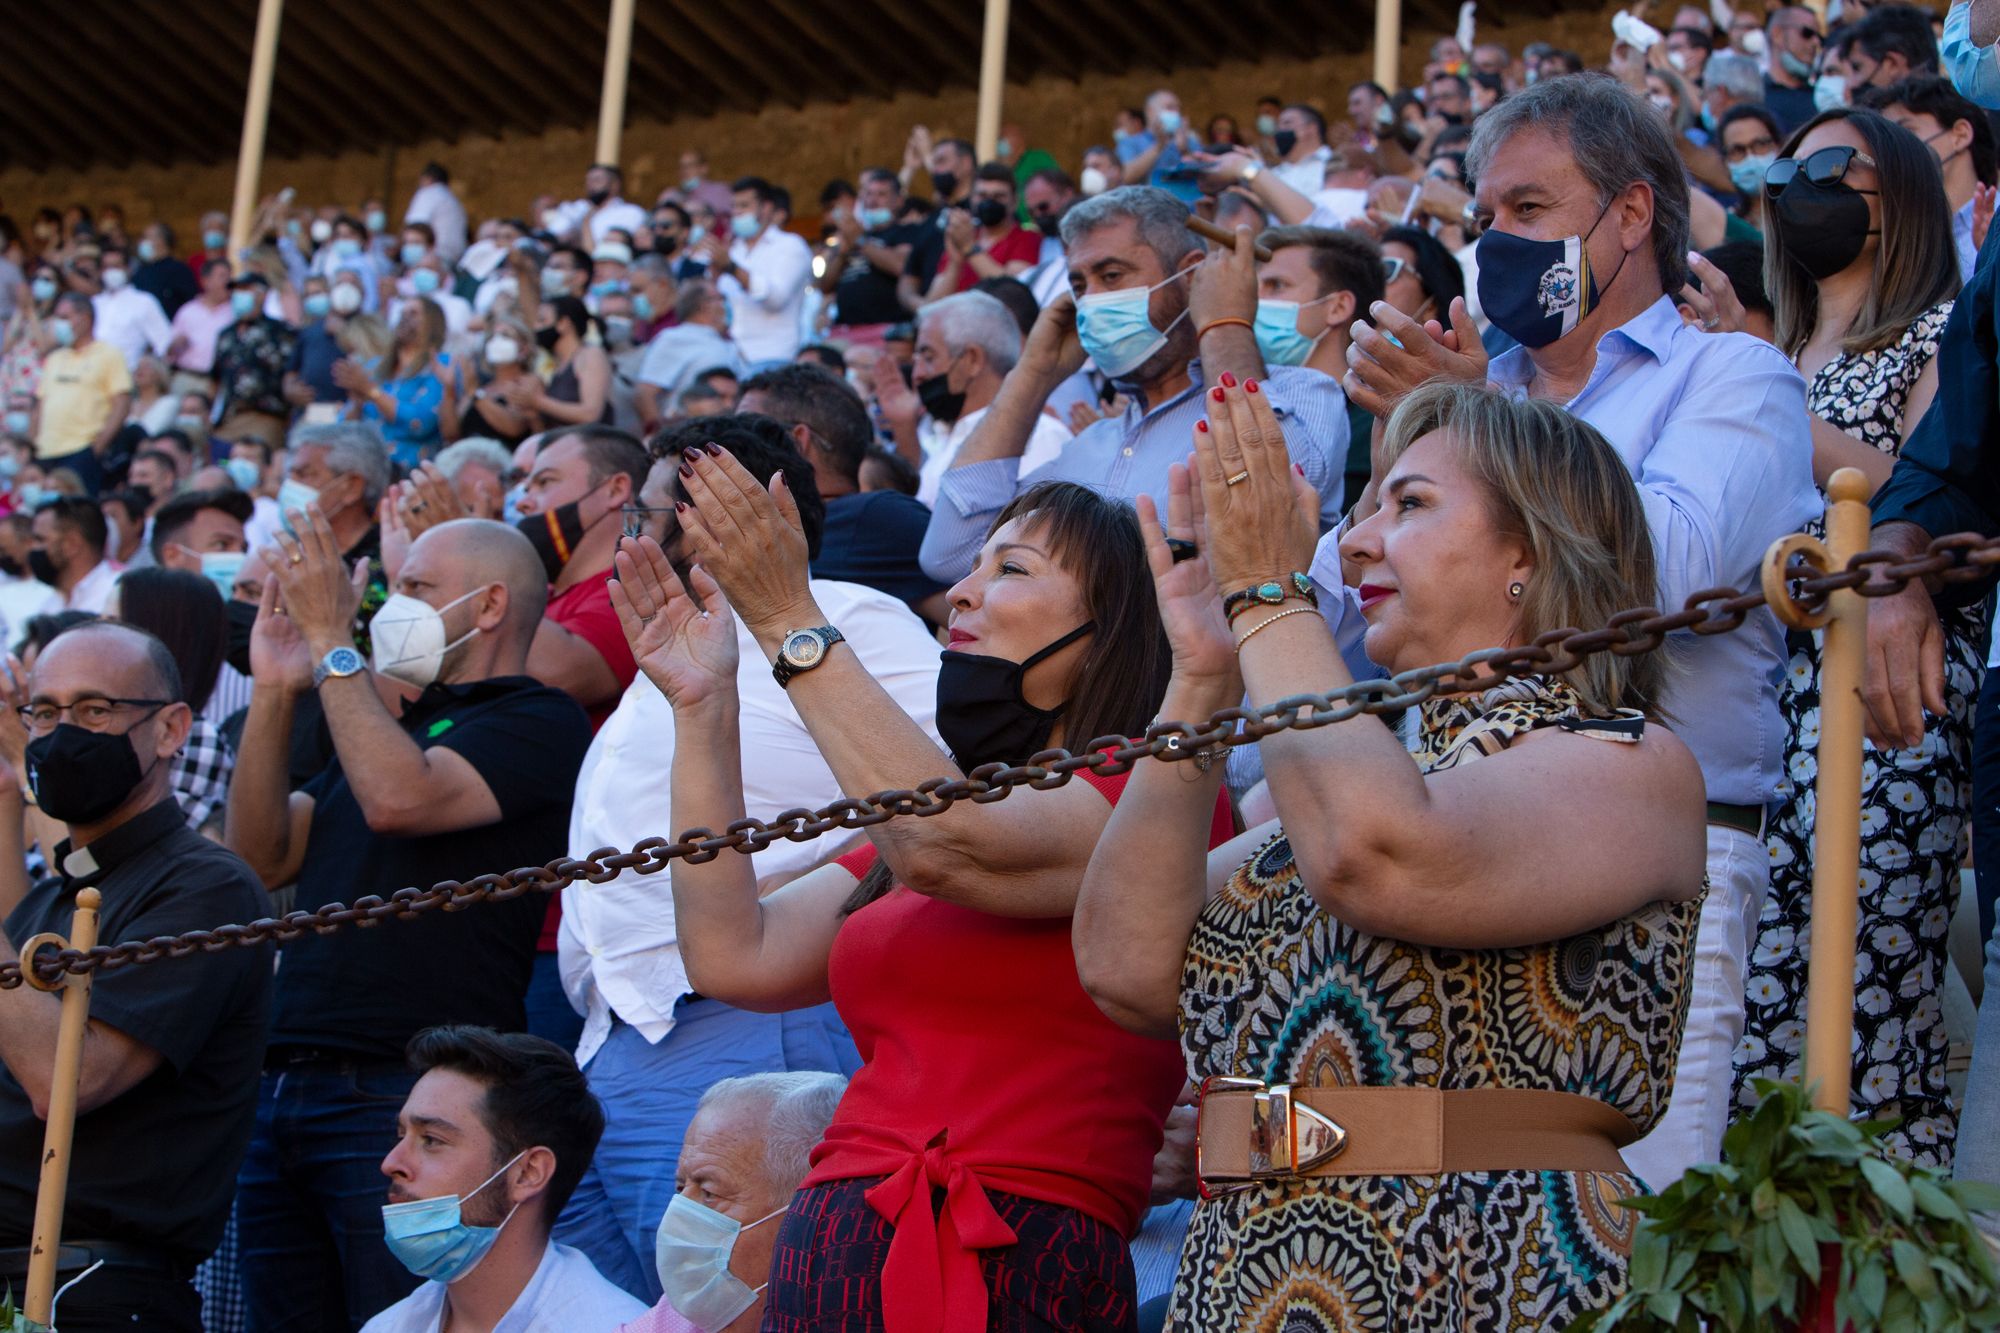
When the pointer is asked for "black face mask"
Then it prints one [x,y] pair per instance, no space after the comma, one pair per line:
[980,712]
[554,533]
[597,196]
[11,567]
[145,494]
[1824,226]
[665,245]
[242,618]
[1048,225]
[939,400]
[989,212]
[546,338]
[1285,141]
[945,183]
[81,776]
[43,568]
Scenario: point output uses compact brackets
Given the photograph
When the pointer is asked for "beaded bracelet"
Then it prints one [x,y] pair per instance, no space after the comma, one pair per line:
[1266,624]
[1269,594]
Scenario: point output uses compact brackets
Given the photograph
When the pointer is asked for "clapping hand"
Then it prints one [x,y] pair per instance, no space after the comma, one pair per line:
[1380,373]
[320,594]
[749,538]
[1190,602]
[278,652]
[14,731]
[1261,515]
[686,648]
[1714,306]
[427,499]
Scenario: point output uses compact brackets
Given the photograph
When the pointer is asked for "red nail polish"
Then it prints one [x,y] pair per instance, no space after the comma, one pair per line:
[679,508]
[1201,426]
[1249,386]
[1228,380]
[1218,394]
[1299,468]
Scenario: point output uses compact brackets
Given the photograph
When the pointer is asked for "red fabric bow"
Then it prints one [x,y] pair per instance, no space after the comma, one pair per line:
[931,1280]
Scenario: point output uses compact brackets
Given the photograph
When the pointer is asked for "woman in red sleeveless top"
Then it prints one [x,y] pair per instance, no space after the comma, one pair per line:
[995,1149]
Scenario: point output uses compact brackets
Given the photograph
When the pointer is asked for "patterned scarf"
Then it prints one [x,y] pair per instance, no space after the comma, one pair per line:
[1455,728]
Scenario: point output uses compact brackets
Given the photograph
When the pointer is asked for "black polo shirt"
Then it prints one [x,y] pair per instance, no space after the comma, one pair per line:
[366,992]
[865,294]
[872,538]
[155,1167]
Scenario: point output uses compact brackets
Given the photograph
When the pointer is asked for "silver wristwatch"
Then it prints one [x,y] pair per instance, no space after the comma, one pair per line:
[802,650]
[343,661]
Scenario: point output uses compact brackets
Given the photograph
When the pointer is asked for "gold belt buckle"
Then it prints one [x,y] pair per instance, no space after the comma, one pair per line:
[1287,1137]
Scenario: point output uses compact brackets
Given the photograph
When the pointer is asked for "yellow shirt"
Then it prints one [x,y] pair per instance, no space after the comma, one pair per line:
[78,385]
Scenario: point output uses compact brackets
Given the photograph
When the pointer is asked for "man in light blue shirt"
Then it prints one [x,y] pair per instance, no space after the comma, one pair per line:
[1588,233]
[1958,135]
[1180,324]
[1967,51]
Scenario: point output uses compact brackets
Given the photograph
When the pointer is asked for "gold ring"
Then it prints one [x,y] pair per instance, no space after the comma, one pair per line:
[298,559]
[1244,475]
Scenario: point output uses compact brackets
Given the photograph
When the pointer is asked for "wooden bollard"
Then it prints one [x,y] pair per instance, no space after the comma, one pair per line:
[54,1187]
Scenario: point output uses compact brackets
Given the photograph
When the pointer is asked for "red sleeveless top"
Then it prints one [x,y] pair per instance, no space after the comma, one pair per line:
[985,1065]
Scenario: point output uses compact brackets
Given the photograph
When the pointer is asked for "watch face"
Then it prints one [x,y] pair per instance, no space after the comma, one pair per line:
[803,649]
[343,662]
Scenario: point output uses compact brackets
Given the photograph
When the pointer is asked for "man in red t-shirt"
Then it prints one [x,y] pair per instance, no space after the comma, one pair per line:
[582,476]
[985,241]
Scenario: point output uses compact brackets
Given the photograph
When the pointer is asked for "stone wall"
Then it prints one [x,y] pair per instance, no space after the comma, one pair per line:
[799,148]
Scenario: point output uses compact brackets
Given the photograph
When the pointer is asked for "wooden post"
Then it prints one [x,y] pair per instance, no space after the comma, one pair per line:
[1837,820]
[49,1197]
[1388,42]
[617,66]
[256,114]
[992,76]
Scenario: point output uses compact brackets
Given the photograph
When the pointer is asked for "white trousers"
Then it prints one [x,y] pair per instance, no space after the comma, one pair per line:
[1739,875]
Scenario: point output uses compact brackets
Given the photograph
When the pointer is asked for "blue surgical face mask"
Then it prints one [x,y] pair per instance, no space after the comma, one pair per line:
[510,507]
[62,331]
[214,240]
[318,304]
[1830,90]
[1538,291]
[1708,119]
[691,1253]
[874,219]
[346,247]
[243,303]
[28,496]
[744,225]
[424,281]
[221,568]
[44,289]
[432,1240]
[1116,328]
[1170,122]
[243,472]
[1974,70]
[1748,175]
[17,424]
[1794,66]
[413,254]
[642,307]
[148,252]
[293,497]
[377,220]
[1278,336]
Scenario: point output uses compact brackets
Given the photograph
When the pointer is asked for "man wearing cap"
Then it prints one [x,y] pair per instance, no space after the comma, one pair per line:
[250,360]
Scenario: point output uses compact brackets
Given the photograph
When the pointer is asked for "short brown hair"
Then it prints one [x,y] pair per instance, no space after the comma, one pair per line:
[1553,481]
[1343,261]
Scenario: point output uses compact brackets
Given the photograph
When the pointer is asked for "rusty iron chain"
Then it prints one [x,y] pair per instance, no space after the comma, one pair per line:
[1959,557]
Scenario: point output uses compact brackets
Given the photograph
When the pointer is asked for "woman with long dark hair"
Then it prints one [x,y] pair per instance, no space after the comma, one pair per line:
[185,612]
[945,942]
[1862,272]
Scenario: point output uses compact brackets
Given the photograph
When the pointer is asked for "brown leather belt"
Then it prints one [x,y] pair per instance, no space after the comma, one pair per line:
[1247,1132]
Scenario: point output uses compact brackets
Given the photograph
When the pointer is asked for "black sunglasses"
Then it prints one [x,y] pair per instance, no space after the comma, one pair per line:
[1828,166]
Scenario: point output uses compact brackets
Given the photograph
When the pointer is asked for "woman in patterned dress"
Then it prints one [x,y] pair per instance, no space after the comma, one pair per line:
[1862,271]
[1511,909]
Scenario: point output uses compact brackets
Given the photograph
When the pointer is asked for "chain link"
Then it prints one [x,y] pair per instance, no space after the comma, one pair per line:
[1956,558]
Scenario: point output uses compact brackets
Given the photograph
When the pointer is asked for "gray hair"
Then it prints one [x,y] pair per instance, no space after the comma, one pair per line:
[353,449]
[652,266]
[1735,74]
[976,319]
[691,297]
[1161,219]
[799,1107]
[479,449]
[1617,140]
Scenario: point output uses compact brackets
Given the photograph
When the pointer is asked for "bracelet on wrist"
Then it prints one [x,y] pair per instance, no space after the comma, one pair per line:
[1261,625]
[1204,330]
[1270,593]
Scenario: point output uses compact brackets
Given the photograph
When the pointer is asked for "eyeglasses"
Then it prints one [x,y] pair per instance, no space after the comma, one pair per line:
[1828,166]
[92,713]
[1740,151]
[1392,268]
[638,519]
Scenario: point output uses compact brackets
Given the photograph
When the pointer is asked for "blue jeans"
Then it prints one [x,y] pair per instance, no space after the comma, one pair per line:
[550,1015]
[649,1094]
[1979,1122]
[1986,800]
[309,1200]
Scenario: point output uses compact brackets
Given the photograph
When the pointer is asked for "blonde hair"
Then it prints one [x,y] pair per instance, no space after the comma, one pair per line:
[1552,481]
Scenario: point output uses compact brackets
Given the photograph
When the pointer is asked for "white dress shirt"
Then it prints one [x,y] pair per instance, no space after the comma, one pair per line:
[1308,174]
[93,590]
[676,355]
[132,321]
[21,600]
[765,312]
[618,947]
[579,219]
[438,208]
[567,1293]
[941,445]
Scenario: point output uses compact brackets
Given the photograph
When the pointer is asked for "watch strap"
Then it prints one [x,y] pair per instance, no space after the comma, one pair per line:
[783,670]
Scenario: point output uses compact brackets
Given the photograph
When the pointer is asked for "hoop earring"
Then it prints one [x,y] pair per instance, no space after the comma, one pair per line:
[1514,590]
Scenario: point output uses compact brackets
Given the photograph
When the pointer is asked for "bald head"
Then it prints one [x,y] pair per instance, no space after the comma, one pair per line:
[111,660]
[468,554]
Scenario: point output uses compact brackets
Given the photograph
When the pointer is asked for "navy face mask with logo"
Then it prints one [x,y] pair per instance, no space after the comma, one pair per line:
[1538,291]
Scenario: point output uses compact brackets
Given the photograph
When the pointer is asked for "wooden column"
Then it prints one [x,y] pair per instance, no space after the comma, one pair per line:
[617,65]
[1837,819]
[992,76]
[256,114]
[1388,42]
[54,1187]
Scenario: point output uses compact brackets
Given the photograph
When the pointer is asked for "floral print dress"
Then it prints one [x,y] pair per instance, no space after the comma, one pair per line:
[1274,988]
[1914,807]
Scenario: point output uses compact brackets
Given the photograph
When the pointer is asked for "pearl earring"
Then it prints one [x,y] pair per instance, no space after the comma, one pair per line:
[1515,589]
